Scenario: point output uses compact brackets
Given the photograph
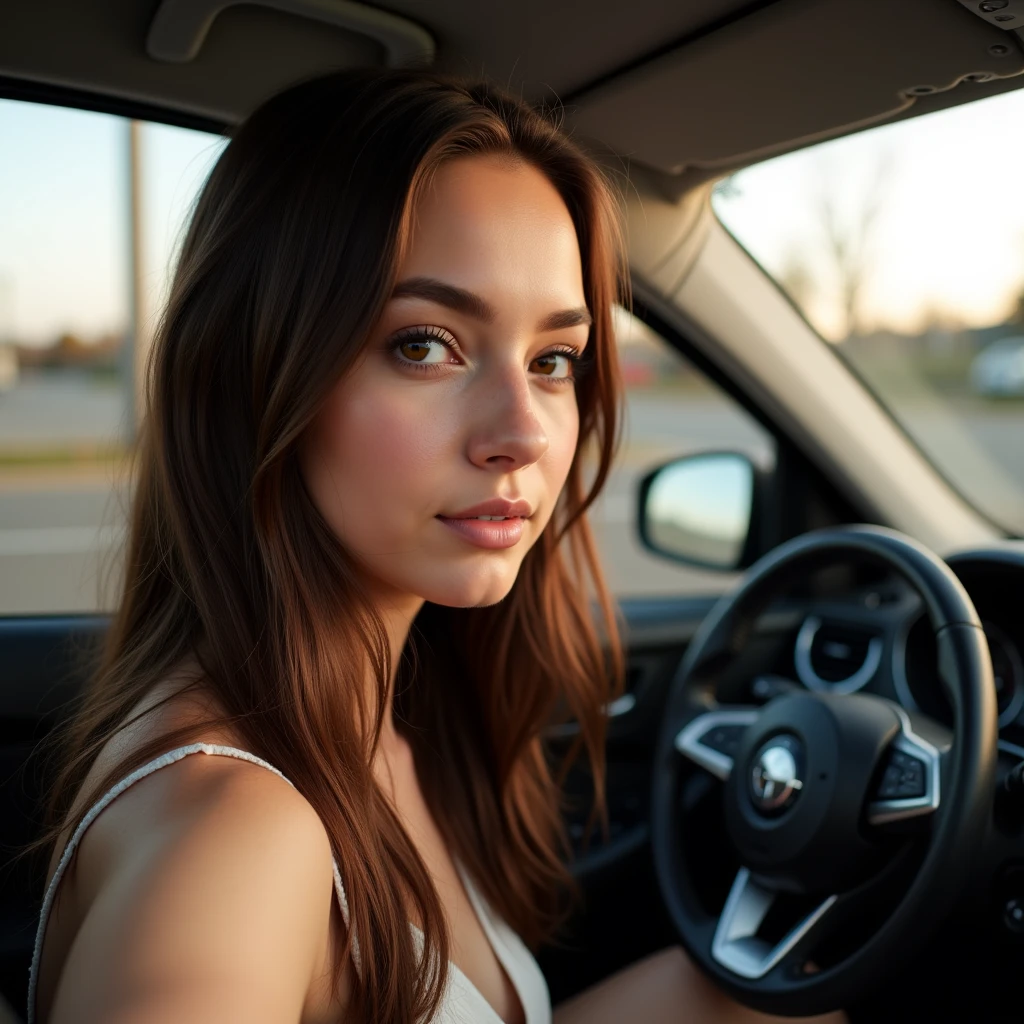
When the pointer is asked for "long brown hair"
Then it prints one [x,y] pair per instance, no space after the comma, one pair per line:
[290,257]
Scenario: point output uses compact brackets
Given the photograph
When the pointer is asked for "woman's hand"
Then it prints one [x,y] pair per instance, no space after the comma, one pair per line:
[664,988]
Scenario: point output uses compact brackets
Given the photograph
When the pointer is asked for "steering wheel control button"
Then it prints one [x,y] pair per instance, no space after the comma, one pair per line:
[712,739]
[904,777]
[723,738]
[776,774]
[909,786]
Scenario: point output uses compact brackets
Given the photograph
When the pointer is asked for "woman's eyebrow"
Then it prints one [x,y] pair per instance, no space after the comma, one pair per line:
[466,302]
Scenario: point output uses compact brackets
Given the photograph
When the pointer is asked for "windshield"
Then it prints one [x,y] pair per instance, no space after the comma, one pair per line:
[903,247]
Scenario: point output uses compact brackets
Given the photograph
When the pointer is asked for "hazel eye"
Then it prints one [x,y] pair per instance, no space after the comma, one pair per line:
[551,368]
[423,347]
[562,366]
[420,350]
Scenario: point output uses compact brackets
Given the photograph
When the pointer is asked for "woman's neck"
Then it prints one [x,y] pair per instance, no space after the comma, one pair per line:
[397,612]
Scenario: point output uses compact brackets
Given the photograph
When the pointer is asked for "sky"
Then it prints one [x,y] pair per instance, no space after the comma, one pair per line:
[948,235]
[948,239]
[64,217]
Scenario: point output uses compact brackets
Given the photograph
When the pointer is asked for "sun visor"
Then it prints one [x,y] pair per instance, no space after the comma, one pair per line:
[797,71]
[179,27]
[217,59]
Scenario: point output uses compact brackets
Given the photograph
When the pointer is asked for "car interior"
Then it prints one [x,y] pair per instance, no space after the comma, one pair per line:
[827,608]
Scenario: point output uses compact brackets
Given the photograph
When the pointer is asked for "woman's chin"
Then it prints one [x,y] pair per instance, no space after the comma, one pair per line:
[472,593]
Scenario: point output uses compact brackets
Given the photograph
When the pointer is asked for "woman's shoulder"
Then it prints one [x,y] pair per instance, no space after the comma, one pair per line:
[178,702]
[209,869]
[233,801]
[208,816]
[204,894]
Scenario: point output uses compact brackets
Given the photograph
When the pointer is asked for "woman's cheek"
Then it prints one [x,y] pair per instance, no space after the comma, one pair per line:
[402,427]
[390,445]
[564,436]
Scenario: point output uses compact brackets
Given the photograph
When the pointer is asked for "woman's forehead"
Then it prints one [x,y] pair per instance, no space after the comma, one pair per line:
[495,229]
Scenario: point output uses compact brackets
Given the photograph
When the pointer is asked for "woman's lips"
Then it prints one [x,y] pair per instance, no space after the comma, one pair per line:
[487,533]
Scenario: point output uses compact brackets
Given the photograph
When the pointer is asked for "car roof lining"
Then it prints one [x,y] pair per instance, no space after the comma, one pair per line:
[539,48]
[736,82]
[794,73]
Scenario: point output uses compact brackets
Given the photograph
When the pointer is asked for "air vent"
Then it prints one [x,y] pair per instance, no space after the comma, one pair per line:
[836,657]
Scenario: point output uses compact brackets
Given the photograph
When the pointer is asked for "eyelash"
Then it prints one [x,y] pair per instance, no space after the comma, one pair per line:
[579,364]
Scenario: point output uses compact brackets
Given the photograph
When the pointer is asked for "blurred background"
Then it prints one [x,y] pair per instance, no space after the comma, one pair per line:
[918,286]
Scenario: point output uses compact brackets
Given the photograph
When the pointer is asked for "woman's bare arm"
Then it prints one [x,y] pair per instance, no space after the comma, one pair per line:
[665,988]
[218,911]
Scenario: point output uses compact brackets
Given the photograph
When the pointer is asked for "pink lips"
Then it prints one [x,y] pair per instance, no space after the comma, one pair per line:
[488,533]
[485,533]
[496,507]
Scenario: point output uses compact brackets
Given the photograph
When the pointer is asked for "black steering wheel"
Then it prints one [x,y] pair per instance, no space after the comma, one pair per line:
[845,826]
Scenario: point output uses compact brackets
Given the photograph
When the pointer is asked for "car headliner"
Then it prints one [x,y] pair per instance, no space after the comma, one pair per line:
[690,89]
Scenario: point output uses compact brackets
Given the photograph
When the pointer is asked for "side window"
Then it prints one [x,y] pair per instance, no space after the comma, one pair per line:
[92,213]
[90,216]
[672,409]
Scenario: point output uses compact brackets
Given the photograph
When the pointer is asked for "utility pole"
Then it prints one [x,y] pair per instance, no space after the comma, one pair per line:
[133,353]
[7,286]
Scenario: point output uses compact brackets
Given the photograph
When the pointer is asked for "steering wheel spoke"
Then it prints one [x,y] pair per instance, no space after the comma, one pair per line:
[737,945]
[909,786]
[712,738]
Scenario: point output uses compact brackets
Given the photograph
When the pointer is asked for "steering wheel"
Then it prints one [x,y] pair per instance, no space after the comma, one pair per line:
[848,825]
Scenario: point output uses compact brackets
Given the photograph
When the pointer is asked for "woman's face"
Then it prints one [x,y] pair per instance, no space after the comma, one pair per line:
[464,393]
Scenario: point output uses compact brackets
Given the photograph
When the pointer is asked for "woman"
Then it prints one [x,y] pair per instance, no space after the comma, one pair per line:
[391,317]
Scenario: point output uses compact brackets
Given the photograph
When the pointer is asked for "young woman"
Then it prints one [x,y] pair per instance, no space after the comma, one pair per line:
[308,783]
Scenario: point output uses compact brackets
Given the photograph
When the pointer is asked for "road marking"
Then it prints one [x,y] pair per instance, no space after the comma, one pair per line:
[58,540]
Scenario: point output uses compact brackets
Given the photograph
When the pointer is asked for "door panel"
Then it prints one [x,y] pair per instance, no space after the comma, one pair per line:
[619,916]
[45,664]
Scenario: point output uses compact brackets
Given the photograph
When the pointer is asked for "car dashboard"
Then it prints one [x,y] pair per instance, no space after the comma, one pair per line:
[854,629]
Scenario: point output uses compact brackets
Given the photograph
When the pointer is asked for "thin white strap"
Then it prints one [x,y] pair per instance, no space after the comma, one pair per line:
[106,800]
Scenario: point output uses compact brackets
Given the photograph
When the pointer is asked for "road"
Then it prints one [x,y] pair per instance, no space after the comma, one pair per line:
[59,528]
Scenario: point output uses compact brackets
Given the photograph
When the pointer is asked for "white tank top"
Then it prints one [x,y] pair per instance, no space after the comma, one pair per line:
[462,1002]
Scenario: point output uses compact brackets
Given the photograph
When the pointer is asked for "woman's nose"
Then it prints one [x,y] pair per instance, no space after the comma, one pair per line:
[506,427]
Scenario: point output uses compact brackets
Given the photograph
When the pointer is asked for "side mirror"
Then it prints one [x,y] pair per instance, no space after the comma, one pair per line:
[699,509]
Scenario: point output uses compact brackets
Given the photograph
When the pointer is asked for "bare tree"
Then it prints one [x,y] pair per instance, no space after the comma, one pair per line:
[848,238]
[797,279]
[1016,316]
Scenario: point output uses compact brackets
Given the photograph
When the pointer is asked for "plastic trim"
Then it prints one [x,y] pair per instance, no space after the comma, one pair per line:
[899,663]
[1011,748]
[688,742]
[736,945]
[902,684]
[805,670]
